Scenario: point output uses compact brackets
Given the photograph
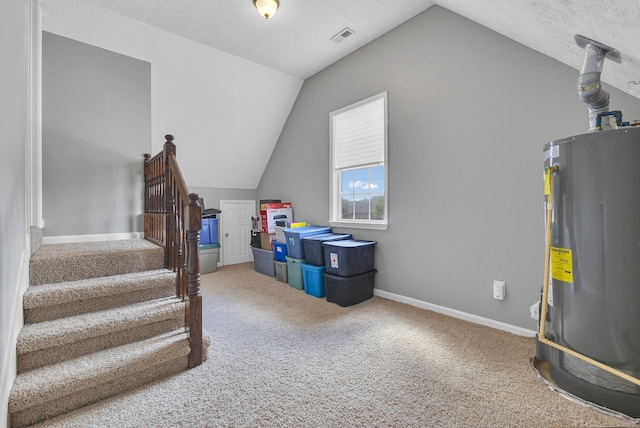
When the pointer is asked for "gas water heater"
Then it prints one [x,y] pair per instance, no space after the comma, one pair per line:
[588,342]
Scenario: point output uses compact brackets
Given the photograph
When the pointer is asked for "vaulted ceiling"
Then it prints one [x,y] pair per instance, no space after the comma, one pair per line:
[224,79]
[296,40]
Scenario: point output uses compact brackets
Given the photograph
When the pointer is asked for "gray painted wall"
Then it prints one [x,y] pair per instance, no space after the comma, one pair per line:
[96,125]
[13,215]
[212,196]
[469,114]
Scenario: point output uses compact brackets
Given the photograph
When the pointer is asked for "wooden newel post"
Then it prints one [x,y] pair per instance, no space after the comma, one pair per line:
[147,195]
[193,281]
[173,219]
[169,146]
[170,208]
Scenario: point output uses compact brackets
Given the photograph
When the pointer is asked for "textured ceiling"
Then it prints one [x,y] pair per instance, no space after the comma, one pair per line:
[296,40]
[548,26]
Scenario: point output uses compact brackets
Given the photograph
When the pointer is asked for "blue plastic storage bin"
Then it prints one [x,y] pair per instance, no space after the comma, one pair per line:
[209,231]
[348,257]
[294,238]
[312,279]
[280,251]
[313,251]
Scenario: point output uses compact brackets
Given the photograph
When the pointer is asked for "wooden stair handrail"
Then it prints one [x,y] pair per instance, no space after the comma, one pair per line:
[173,219]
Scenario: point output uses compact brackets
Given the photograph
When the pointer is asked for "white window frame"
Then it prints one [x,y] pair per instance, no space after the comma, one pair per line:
[335,203]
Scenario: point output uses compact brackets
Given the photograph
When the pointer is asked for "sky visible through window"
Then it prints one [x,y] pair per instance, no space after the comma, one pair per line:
[363,193]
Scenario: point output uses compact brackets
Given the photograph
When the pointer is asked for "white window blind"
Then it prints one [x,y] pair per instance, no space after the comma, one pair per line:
[359,135]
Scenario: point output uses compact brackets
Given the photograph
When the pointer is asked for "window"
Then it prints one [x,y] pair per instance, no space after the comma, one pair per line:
[358,154]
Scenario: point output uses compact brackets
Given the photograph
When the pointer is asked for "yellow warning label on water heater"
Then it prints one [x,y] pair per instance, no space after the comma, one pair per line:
[547,182]
[561,264]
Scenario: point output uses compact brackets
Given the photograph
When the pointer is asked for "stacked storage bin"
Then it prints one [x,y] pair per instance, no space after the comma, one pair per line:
[209,231]
[209,246]
[314,265]
[295,251]
[294,273]
[280,254]
[280,262]
[262,259]
[349,271]
[209,255]
[282,273]
[280,251]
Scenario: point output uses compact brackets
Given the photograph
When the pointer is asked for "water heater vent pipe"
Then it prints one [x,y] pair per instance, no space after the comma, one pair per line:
[589,88]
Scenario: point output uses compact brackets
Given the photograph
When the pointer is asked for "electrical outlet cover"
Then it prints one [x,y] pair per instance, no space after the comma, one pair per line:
[499,288]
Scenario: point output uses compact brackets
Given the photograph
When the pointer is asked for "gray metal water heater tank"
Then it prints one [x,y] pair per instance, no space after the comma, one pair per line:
[594,301]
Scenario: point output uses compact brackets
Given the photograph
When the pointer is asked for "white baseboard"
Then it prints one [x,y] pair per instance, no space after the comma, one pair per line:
[456,313]
[17,321]
[91,238]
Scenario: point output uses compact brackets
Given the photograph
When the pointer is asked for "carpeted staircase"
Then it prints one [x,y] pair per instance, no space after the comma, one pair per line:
[100,318]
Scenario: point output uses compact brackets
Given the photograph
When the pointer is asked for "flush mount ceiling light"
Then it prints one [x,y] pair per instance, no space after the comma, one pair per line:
[267,8]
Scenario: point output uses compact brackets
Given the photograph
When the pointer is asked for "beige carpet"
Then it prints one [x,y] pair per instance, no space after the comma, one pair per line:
[74,261]
[282,358]
[89,334]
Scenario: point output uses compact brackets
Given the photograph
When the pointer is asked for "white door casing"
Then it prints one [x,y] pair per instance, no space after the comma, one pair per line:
[235,225]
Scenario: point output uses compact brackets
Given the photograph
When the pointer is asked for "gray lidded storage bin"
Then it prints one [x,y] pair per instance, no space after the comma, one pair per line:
[281,271]
[263,261]
[348,257]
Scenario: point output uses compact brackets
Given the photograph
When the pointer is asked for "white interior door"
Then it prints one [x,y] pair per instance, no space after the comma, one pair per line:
[235,223]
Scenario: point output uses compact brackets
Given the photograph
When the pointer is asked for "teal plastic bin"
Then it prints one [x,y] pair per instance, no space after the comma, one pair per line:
[294,272]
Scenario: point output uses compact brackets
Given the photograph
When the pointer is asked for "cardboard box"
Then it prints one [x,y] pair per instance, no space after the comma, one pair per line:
[264,202]
[274,212]
[266,240]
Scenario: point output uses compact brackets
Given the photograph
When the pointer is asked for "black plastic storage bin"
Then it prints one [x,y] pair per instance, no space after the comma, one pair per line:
[351,290]
[313,251]
[349,257]
[255,239]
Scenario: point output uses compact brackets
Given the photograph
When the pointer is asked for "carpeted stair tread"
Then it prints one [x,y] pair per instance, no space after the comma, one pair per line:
[101,318]
[49,301]
[52,382]
[53,263]
[53,408]
[66,331]
[63,292]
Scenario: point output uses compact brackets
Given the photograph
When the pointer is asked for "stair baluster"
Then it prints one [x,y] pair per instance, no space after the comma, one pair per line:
[173,219]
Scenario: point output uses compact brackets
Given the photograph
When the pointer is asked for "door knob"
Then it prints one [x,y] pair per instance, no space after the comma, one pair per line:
[226,235]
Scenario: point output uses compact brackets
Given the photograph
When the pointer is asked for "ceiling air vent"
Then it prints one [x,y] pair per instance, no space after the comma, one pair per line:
[343,34]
